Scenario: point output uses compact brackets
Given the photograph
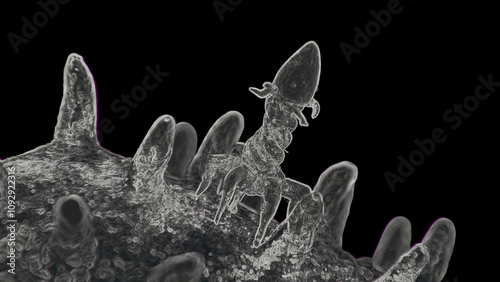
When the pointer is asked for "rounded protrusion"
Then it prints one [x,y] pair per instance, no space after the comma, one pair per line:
[71,211]
[72,224]
[184,267]
[336,184]
[394,242]
[440,240]
[185,143]
[220,139]
[298,78]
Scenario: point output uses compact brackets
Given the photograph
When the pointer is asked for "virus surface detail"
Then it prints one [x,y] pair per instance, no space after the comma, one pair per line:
[74,211]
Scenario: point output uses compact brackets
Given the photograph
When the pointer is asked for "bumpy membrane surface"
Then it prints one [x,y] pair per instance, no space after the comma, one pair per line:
[177,213]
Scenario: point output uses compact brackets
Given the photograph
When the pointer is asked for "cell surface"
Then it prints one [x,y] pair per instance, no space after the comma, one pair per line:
[175,213]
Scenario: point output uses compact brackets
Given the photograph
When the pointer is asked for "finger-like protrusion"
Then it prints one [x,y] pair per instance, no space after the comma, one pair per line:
[231,182]
[219,140]
[76,123]
[294,191]
[440,239]
[154,152]
[336,184]
[395,241]
[185,267]
[185,142]
[409,265]
[270,202]
[71,217]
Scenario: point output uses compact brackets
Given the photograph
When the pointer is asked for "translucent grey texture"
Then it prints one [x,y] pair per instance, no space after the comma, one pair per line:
[172,213]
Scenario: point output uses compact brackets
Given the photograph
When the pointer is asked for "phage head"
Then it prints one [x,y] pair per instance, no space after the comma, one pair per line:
[297,79]
[296,82]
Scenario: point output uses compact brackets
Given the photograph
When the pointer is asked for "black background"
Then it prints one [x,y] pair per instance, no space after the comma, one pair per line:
[394,91]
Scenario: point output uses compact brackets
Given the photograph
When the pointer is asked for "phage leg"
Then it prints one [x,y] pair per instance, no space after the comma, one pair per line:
[206,180]
[305,218]
[270,202]
[294,191]
[232,180]
[216,168]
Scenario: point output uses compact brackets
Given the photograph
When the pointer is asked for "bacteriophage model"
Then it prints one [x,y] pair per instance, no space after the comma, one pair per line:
[78,212]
